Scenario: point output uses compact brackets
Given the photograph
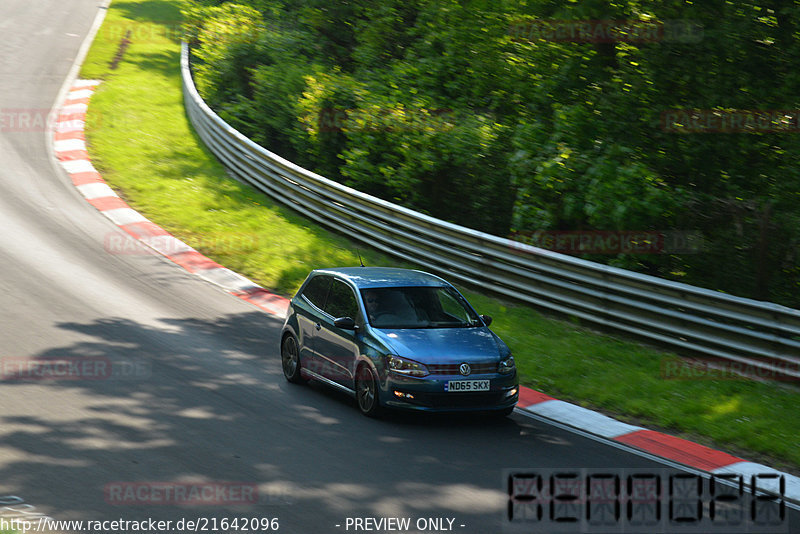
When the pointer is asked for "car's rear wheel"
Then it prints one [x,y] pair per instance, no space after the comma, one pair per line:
[367,392]
[290,360]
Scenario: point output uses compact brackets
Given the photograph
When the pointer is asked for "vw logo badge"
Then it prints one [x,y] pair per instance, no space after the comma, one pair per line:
[465,369]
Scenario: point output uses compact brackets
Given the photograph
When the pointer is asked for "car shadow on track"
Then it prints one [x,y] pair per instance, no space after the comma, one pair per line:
[412,418]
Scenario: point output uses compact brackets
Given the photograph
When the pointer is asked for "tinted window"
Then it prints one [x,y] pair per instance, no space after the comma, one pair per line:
[317,289]
[453,307]
[418,307]
[341,301]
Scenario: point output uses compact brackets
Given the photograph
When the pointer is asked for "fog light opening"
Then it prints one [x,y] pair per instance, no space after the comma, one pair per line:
[511,392]
[403,395]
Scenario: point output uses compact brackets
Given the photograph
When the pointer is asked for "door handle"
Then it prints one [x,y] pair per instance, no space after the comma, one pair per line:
[318,326]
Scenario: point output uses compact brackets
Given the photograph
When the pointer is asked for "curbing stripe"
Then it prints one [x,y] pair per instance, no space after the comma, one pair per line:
[74,116]
[78,166]
[77,93]
[166,244]
[77,107]
[69,155]
[108,203]
[77,84]
[529,397]
[193,261]
[233,282]
[678,449]
[122,216]
[84,178]
[581,417]
[144,230]
[73,101]
[69,127]
[265,300]
[68,145]
[96,190]
[65,136]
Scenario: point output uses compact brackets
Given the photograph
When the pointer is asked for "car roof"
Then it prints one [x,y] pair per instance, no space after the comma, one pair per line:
[366,277]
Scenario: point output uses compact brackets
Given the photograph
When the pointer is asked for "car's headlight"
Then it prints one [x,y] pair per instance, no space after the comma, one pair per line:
[506,366]
[406,366]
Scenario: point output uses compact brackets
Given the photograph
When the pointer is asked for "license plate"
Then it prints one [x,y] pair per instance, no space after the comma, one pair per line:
[453,386]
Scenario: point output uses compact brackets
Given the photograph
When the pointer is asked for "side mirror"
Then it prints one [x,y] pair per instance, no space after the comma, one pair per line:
[345,323]
[487,319]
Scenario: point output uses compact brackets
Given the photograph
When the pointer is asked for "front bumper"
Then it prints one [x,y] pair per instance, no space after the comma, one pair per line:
[428,394]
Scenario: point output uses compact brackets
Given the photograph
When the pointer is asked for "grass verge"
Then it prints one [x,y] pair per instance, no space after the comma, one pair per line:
[142,143]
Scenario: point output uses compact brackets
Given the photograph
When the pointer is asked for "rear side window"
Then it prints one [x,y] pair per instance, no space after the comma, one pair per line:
[316,290]
[341,301]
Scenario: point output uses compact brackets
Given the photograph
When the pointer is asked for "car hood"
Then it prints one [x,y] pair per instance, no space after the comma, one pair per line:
[443,345]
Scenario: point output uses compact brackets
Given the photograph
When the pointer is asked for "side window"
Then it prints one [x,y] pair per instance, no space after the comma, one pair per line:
[341,301]
[317,290]
[452,307]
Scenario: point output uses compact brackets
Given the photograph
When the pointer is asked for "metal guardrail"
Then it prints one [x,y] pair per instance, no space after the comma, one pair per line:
[763,335]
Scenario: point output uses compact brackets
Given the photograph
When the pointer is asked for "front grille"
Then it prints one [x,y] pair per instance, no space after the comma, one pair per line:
[452,368]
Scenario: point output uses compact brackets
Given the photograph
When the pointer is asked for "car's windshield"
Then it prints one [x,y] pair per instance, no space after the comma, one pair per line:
[418,307]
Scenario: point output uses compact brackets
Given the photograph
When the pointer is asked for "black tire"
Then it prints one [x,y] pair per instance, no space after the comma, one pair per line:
[504,412]
[290,360]
[367,392]
[498,414]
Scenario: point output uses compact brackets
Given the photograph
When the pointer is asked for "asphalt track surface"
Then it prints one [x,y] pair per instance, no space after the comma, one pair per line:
[201,397]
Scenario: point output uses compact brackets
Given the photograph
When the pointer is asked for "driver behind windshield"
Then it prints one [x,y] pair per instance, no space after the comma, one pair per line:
[371,302]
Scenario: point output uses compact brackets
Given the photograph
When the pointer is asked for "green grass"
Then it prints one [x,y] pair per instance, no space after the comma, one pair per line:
[142,143]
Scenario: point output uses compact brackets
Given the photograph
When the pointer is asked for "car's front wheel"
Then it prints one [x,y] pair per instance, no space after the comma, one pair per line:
[367,392]
[290,360]
[505,412]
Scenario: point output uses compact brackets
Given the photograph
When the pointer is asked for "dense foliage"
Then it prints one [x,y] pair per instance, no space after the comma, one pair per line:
[501,116]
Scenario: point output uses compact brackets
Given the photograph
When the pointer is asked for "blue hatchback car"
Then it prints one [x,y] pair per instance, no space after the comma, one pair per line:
[396,338]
